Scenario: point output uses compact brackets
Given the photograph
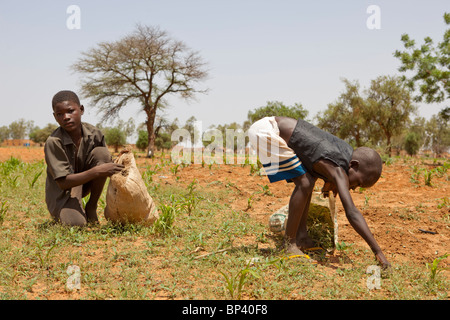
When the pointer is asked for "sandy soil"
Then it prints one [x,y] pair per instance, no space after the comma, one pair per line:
[395,209]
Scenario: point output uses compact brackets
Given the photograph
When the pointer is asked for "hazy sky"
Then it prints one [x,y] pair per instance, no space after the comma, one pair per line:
[257,51]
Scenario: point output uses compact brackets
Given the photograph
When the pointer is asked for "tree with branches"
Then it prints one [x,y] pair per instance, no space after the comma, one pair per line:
[145,66]
[389,105]
[429,64]
[344,117]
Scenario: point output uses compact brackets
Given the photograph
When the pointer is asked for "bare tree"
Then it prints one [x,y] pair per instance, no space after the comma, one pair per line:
[145,66]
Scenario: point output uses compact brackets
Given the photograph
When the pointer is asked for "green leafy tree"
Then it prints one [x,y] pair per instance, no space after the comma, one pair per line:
[39,135]
[345,117]
[196,135]
[378,115]
[163,141]
[117,136]
[277,108]
[142,141]
[389,106]
[430,65]
[20,129]
[4,133]
[230,133]
[438,132]
[163,134]
[417,126]
[412,143]
[146,66]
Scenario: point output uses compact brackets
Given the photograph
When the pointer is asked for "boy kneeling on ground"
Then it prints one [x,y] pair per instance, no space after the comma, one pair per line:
[78,163]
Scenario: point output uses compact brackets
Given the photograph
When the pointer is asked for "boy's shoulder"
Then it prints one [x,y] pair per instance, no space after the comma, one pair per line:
[59,135]
[89,129]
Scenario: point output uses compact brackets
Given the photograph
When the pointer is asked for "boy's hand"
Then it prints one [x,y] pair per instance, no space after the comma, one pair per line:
[327,187]
[108,169]
[383,261]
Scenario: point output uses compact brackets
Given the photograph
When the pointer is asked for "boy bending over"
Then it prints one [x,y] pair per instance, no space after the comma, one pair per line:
[297,151]
[78,163]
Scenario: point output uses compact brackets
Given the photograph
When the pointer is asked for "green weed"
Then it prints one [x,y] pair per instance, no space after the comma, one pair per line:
[42,252]
[174,169]
[164,224]
[234,283]
[10,165]
[35,178]
[266,191]
[434,267]
[444,203]
[249,203]
[428,174]
[191,199]
[3,210]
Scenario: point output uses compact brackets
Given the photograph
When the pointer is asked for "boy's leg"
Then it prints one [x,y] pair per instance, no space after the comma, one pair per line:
[72,214]
[98,155]
[303,239]
[298,209]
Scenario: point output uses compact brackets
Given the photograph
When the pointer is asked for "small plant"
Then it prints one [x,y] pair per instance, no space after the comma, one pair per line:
[43,253]
[85,200]
[366,200]
[175,168]
[164,224]
[266,190]
[253,169]
[12,181]
[415,175]
[434,267]
[3,210]
[35,178]
[444,203]
[249,202]
[147,176]
[10,165]
[428,175]
[342,246]
[191,200]
[387,160]
[235,283]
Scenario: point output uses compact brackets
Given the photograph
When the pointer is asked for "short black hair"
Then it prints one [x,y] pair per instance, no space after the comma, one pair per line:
[65,95]
[370,163]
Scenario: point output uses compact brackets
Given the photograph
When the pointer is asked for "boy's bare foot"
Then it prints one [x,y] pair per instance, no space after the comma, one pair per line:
[306,243]
[293,249]
[91,214]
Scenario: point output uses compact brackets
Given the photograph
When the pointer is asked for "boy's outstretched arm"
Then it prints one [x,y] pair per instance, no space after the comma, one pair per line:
[339,178]
[358,223]
[77,179]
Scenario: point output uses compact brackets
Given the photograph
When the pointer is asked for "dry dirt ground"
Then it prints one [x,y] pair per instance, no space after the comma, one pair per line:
[395,209]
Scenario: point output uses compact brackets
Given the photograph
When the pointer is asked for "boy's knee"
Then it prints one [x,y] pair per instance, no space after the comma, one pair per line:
[72,218]
[99,155]
[305,182]
[72,213]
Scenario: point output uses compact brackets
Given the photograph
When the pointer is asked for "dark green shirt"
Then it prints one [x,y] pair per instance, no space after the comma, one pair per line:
[62,159]
[312,144]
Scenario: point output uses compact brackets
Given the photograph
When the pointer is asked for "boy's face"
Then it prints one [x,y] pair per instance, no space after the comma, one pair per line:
[68,115]
[355,179]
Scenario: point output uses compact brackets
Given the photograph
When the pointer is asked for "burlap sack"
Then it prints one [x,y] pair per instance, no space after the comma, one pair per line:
[322,221]
[127,198]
